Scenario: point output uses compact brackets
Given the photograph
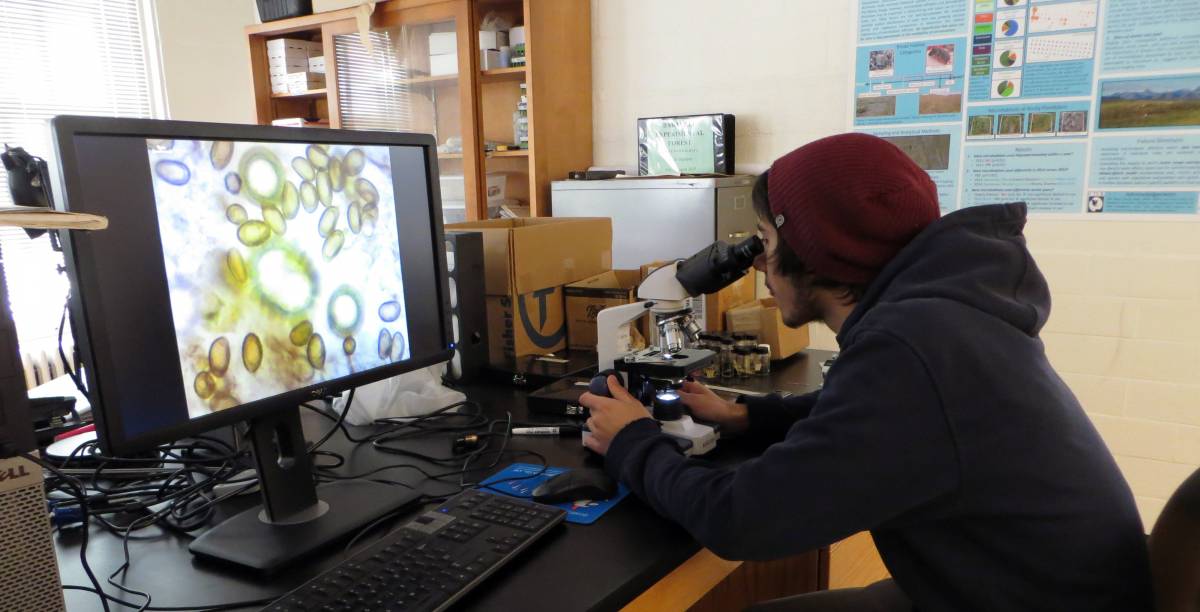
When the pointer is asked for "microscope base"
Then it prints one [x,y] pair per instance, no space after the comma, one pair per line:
[703,438]
[695,439]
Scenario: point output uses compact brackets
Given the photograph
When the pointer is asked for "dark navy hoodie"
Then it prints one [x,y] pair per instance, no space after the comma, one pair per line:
[943,430]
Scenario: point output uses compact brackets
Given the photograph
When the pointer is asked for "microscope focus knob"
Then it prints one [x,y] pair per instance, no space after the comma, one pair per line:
[599,383]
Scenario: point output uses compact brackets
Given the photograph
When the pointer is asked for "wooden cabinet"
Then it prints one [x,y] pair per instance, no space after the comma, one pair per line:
[398,84]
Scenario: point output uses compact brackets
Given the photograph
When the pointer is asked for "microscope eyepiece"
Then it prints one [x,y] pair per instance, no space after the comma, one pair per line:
[717,266]
[745,251]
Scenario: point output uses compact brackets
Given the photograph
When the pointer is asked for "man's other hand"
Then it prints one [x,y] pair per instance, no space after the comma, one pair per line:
[708,406]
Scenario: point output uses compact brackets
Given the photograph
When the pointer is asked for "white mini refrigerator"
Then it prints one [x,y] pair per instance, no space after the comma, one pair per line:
[661,218]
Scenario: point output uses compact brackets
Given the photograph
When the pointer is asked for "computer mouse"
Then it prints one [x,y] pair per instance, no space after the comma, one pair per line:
[577,484]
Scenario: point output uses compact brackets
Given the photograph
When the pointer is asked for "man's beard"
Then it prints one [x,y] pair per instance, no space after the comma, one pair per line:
[805,309]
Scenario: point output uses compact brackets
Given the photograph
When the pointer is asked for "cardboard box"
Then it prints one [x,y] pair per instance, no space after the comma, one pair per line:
[287,67]
[527,324]
[278,46]
[282,69]
[586,298]
[489,59]
[524,255]
[709,310]
[317,64]
[526,262]
[492,40]
[516,36]
[279,76]
[443,43]
[299,122]
[292,50]
[289,59]
[300,82]
[763,319]
[443,65]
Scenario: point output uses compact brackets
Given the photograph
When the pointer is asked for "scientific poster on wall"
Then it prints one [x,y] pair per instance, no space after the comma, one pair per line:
[1088,107]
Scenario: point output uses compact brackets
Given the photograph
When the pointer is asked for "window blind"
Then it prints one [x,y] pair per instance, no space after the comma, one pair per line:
[79,57]
[372,87]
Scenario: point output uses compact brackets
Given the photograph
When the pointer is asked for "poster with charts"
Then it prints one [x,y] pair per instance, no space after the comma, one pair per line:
[1076,107]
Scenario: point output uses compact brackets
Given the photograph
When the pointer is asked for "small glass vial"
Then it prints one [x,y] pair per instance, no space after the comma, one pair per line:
[743,361]
[762,354]
[727,367]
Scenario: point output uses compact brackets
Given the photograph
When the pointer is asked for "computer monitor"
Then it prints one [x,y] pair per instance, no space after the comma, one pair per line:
[246,270]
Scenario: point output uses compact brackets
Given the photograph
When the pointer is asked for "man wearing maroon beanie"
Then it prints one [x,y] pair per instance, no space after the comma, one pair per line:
[941,428]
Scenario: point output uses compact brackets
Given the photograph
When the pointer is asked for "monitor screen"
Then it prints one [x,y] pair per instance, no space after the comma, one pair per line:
[243,272]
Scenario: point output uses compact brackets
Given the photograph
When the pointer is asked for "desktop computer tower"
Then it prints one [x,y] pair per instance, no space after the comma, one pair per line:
[28,567]
[464,263]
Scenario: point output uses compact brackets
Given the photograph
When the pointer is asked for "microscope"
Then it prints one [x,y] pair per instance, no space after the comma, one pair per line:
[654,374]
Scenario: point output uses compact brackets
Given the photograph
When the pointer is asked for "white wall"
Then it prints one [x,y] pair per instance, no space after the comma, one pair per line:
[1125,327]
[779,65]
[206,59]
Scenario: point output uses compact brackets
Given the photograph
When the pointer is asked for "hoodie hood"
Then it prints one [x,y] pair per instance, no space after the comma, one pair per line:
[976,257]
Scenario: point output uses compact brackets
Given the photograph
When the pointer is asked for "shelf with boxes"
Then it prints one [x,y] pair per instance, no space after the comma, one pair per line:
[291,89]
[512,73]
[296,66]
[312,93]
[469,72]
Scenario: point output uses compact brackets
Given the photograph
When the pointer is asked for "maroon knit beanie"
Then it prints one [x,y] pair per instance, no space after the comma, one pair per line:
[848,203]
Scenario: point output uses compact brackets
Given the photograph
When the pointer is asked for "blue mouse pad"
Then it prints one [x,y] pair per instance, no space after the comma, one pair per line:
[582,512]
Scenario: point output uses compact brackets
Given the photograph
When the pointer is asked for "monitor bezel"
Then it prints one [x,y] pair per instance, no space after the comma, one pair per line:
[109,420]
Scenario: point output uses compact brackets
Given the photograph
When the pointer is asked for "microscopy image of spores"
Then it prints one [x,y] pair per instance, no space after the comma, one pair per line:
[282,260]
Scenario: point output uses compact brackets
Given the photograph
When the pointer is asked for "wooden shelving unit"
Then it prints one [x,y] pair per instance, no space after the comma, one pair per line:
[496,75]
[312,93]
[431,81]
[474,105]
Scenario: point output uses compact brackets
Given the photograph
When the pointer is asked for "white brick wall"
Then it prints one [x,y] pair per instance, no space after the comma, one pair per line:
[1125,326]
[1125,335]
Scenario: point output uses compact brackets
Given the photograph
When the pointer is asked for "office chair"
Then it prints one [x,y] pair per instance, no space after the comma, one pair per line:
[1175,550]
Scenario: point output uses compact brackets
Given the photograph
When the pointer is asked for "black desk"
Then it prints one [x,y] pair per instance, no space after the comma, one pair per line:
[578,567]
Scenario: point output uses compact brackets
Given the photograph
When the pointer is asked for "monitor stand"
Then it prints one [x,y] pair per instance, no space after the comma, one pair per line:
[296,517]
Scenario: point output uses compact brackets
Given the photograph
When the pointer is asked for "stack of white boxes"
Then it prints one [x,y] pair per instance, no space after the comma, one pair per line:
[443,54]
[291,65]
[443,51]
[489,49]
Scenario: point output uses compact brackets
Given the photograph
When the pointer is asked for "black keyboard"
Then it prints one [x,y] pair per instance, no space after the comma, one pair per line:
[430,562]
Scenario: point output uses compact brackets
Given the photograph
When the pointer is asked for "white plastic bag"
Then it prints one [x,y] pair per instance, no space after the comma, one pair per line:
[410,394]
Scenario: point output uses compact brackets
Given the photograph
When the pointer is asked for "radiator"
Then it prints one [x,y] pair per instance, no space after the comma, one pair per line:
[42,363]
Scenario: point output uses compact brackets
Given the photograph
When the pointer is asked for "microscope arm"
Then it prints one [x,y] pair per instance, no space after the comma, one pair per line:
[612,331]
[661,285]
